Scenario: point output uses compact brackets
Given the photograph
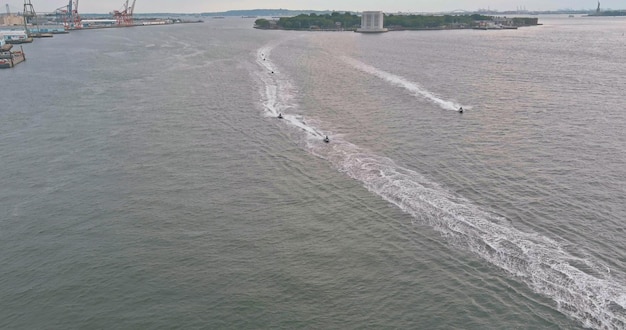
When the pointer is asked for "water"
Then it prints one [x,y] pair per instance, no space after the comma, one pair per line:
[147,183]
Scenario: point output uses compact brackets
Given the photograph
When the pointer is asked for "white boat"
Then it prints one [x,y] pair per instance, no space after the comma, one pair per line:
[15,36]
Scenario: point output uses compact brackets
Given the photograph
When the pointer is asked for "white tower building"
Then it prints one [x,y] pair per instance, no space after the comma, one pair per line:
[372,21]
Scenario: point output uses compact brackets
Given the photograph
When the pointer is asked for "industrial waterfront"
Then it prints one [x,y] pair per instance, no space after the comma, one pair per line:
[26,26]
[68,18]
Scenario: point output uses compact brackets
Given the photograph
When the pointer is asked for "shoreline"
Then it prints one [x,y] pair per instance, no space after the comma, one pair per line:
[395,29]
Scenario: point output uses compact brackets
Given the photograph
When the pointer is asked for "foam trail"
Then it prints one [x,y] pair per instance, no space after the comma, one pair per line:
[594,296]
[272,102]
[415,88]
[262,58]
[277,102]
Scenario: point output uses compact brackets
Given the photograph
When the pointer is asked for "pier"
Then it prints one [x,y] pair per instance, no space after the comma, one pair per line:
[9,59]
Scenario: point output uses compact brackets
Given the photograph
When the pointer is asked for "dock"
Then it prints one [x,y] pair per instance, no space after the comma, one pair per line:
[10,58]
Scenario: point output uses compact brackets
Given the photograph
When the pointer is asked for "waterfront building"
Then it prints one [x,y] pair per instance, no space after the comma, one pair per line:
[15,36]
[11,20]
[372,22]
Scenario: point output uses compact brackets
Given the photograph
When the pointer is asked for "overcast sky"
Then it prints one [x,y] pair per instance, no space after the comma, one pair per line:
[197,6]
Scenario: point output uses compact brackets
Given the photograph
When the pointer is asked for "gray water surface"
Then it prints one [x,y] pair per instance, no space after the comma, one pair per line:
[146,182]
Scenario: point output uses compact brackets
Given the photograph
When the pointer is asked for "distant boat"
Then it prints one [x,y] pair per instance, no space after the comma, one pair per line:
[571,15]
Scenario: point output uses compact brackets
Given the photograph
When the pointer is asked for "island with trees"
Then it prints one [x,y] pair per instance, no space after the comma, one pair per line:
[347,21]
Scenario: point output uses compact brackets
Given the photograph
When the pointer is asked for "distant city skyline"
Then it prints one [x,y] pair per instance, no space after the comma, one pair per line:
[194,6]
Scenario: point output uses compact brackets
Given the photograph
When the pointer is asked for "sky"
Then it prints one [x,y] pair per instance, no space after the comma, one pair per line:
[199,6]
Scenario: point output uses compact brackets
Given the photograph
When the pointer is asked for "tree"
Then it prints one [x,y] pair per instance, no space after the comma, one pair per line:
[262,23]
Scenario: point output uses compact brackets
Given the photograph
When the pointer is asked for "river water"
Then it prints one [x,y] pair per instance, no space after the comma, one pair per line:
[147,183]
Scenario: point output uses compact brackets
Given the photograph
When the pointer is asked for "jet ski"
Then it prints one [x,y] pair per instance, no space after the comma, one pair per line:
[326,139]
[461,110]
[280,115]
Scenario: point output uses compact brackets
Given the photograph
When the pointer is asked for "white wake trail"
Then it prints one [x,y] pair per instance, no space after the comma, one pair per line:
[581,288]
[277,98]
[594,297]
[412,87]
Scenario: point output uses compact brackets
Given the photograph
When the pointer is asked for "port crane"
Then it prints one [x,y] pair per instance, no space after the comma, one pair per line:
[69,15]
[29,10]
[125,15]
[30,17]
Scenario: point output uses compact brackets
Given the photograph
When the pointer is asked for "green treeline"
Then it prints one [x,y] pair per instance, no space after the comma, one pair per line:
[335,21]
[303,21]
[262,23]
[431,21]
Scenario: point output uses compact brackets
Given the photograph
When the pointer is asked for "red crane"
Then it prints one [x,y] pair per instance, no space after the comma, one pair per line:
[71,19]
[125,15]
[69,15]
